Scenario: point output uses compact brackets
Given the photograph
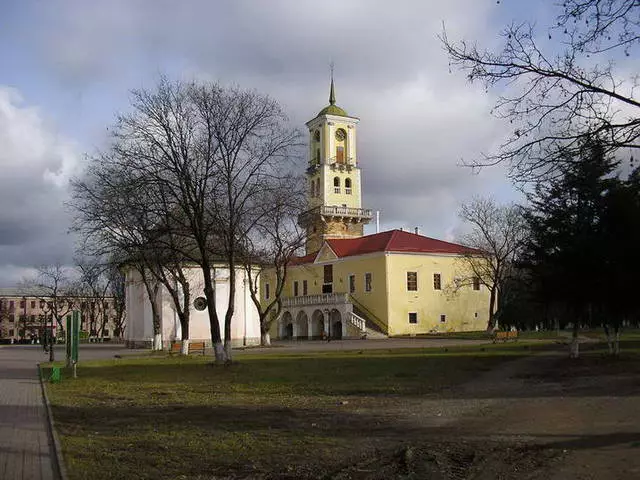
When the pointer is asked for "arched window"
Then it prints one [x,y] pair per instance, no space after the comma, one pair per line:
[347,186]
[341,136]
[318,187]
[336,185]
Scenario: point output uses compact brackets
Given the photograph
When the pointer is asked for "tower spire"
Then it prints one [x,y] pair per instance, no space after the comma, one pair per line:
[332,93]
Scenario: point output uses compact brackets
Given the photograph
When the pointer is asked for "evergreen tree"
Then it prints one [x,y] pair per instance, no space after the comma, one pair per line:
[567,244]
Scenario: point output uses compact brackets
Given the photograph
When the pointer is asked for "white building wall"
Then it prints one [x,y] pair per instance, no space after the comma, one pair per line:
[245,324]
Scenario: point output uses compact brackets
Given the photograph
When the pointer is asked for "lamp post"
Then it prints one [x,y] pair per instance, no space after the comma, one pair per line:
[52,341]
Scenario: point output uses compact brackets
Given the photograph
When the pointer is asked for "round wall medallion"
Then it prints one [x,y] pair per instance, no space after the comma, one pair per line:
[200,303]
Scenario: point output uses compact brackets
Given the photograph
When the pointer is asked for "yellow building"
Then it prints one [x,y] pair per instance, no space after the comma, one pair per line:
[349,285]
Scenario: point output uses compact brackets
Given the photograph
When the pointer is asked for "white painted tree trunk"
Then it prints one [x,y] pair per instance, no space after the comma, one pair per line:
[157,342]
[616,348]
[218,350]
[184,349]
[265,339]
[610,342]
[575,347]
[227,351]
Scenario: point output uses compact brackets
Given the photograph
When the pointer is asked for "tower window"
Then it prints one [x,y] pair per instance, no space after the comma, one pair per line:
[336,185]
[313,188]
[340,155]
[476,283]
[316,135]
[317,155]
[347,186]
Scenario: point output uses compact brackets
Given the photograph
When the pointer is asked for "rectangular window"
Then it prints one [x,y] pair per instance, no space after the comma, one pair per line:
[304,287]
[443,318]
[340,154]
[295,289]
[41,303]
[413,317]
[347,190]
[336,189]
[23,304]
[12,317]
[437,283]
[412,281]
[266,291]
[328,274]
[367,282]
[327,288]
[352,283]
[11,305]
[476,283]
[11,333]
[105,333]
[33,304]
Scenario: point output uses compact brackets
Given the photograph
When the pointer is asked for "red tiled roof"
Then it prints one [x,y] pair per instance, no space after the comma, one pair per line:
[390,241]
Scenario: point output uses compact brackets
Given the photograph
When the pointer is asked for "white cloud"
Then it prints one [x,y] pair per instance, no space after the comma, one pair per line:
[36,164]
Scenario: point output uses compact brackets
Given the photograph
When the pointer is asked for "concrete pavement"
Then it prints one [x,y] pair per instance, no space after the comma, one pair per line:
[25,447]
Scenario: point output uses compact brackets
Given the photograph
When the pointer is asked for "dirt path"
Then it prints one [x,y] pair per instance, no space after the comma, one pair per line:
[539,417]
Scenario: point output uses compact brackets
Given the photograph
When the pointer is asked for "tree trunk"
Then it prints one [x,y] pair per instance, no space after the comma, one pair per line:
[575,345]
[265,339]
[227,351]
[607,332]
[492,305]
[218,351]
[616,347]
[184,350]
[157,342]
[209,293]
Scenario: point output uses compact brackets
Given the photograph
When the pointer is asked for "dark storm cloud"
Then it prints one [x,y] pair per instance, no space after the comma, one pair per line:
[418,120]
[35,164]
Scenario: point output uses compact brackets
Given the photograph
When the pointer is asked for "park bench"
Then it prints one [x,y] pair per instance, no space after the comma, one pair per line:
[194,347]
[504,336]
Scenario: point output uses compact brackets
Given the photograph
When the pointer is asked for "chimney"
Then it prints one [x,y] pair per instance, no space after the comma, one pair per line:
[402,229]
[417,231]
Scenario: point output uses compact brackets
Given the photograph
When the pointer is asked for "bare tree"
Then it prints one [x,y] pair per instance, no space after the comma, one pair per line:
[269,252]
[55,290]
[561,86]
[202,154]
[496,238]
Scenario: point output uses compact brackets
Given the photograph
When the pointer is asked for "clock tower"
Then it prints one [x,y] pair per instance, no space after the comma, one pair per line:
[333,178]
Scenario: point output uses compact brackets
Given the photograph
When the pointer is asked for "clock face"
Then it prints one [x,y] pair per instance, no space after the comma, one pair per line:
[340,135]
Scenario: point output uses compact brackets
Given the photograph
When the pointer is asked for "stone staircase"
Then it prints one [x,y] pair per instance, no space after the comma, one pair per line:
[371,330]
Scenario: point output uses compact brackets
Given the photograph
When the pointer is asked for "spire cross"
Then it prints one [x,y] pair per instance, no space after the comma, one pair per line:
[332,94]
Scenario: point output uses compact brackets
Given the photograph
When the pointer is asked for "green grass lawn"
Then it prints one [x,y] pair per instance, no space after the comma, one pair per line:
[167,417]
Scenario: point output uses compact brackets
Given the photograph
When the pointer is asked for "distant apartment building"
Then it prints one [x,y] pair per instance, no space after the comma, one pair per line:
[26,314]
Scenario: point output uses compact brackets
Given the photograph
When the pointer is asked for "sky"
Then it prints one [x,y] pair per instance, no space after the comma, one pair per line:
[67,67]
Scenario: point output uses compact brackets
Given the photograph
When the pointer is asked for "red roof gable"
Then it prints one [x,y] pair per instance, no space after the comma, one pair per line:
[390,241]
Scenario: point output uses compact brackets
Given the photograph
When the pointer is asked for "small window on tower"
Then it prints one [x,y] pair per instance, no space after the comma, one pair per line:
[336,185]
[340,155]
[347,186]
[316,135]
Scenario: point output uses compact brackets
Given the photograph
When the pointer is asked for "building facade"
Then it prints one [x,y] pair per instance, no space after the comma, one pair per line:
[349,285]
[25,315]
[245,324]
